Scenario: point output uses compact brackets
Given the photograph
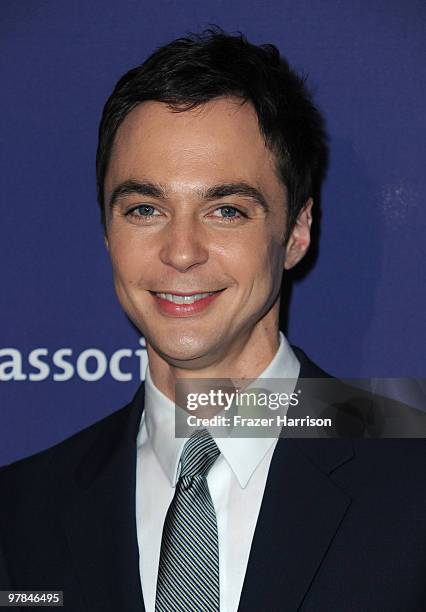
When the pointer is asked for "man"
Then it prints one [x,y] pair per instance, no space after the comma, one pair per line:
[209,161]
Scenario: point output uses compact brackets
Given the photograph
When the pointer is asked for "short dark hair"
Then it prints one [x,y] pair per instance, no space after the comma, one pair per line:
[191,71]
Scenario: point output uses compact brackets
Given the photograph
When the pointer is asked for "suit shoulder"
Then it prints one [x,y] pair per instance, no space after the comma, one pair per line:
[308,368]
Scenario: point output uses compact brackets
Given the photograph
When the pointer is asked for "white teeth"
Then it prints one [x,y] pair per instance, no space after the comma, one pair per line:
[183,299]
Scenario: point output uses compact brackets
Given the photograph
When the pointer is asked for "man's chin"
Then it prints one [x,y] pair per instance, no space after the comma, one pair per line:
[186,352]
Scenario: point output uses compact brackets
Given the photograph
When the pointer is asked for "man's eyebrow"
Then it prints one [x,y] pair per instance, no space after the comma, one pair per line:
[237,189]
[224,190]
[130,187]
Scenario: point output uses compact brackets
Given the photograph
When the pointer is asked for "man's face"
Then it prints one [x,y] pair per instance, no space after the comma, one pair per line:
[197,210]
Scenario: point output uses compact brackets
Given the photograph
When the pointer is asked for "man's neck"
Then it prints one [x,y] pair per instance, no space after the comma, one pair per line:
[246,360]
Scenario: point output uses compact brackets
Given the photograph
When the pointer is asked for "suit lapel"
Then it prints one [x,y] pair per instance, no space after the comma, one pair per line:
[300,513]
[99,517]
[299,516]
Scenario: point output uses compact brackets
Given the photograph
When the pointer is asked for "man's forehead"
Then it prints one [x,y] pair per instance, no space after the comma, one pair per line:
[218,121]
[214,143]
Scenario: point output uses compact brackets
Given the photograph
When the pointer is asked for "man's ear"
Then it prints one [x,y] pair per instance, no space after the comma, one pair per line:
[300,237]
[106,242]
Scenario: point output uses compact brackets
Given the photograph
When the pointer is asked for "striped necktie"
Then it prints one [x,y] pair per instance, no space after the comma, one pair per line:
[188,574]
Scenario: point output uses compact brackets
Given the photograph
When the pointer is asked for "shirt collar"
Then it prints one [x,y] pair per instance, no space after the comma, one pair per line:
[242,454]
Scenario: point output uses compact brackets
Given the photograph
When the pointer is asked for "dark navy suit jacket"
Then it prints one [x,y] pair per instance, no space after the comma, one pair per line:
[342,525]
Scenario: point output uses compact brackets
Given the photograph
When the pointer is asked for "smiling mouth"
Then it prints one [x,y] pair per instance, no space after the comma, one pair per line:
[184,299]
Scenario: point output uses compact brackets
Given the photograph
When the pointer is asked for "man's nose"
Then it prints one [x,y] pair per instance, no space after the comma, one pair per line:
[185,244]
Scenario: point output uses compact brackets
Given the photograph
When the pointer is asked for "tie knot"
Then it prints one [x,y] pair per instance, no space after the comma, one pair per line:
[198,455]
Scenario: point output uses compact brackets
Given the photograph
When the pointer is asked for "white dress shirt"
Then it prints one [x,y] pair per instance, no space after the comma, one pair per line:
[236,482]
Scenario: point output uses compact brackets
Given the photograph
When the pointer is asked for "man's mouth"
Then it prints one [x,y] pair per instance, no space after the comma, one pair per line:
[190,298]
[184,304]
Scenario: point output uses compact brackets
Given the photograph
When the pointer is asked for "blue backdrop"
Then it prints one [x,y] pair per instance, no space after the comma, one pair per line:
[359,311]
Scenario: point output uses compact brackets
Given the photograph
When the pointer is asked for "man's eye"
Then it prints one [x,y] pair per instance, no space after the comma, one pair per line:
[229,213]
[143,210]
